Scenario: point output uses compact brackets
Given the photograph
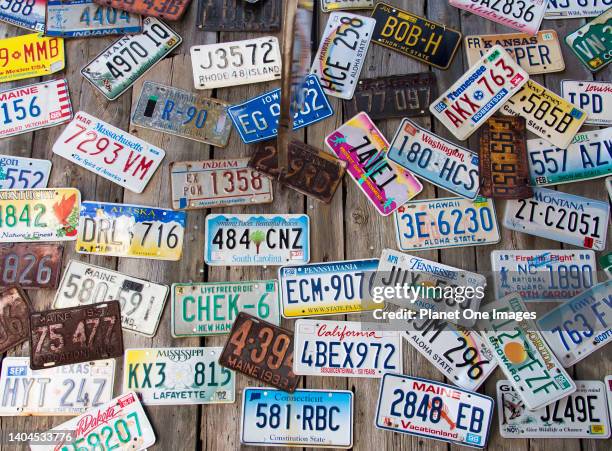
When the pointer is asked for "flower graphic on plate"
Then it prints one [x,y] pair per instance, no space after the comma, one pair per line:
[182,375]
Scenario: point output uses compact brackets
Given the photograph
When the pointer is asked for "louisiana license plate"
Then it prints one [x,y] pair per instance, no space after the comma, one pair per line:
[14,318]
[165,9]
[574,9]
[232,15]
[524,15]
[30,55]
[30,265]
[21,172]
[592,43]
[593,97]
[25,14]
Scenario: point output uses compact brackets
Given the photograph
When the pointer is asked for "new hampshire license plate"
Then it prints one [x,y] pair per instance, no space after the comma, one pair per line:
[22,172]
[30,55]
[592,43]
[24,14]
[594,97]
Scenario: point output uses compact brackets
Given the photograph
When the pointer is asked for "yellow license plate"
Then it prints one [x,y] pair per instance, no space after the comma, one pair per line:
[30,55]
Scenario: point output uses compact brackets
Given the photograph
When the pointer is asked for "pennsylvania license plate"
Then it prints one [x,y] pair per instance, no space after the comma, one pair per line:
[594,97]
[592,43]
[232,15]
[30,55]
[523,15]
[30,265]
[574,9]
[25,14]
[21,172]
[165,9]
[14,318]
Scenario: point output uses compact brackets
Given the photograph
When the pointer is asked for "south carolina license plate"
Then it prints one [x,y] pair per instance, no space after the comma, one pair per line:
[30,265]
[594,97]
[334,5]
[561,217]
[524,15]
[592,43]
[574,9]
[14,318]
[30,55]
[232,15]
[66,390]
[25,14]
[21,172]
[166,9]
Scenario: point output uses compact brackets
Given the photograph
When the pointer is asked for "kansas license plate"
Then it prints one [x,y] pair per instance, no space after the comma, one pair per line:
[29,14]
[30,55]
[118,66]
[30,265]
[593,97]
[524,15]
[562,217]
[14,318]
[414,36]
[166,9]
[574,9]
[592,43]
[65,390]
[21,172]
[334,5]
[232,15]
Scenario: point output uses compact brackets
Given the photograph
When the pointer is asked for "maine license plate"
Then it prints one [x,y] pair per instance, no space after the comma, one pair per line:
[592,43]
[123,230]
[166,9]
[22,172]
[109,152]
[256,240]
[14,318]
[29,14]
[30,55]
[117,67]
[583,414]
[334,5]
[39,214]
[204,309]
[64,390]
[142,302]
[411,35]
[574,9]
[182,113]
[594,97]
[30,265]
[312,418]
[561,217]
[232,15]
[434,410]
[524,15]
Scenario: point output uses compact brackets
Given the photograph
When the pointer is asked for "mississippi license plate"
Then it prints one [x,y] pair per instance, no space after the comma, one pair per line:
[204,309]
[574,9]
[30,55]
[142,302]
[118,66]
[165,9]
[21,172]
[561,217]
[334,5]
[414,36]
[592,43]
[64,390]
[524,15]
[25,14]
[232,15]
[317,418]
[593,97]
[256,240]
[14,318]
[30,265]
[433,410]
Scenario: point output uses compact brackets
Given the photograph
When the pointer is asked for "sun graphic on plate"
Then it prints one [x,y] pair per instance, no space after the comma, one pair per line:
[515,352]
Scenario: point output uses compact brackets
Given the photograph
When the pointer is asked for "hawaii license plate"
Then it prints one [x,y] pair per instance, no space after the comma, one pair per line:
[574,9]
[306,418]
[30,265]
[142,302]
[256,240]
[232,15]
[14,318]
[165,9]
[30,55]
[334,5]
[203,309]
[592,43]
[25,14]
[22,172]
[562,217]
[594,97]
[118,66]
[64,390]
[523,15]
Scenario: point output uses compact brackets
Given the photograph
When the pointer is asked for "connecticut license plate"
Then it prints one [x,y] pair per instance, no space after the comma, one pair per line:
[166,9]
[29,14]
[232,15]
[334,5]
[22,172]
[524,15]
[574,9]
[592,43]
[14,318]
[30,265]
[30,55]
[594,97]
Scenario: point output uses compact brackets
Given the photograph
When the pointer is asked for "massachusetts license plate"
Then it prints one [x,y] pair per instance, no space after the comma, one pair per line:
[574,9]
[64,390]
[165,9]
[117,67]
[30,55]
[21,172]
[592,43]
[312,418]
[334,5]
[414,36]
[25,14]
[232,15]
[30,265]
[256,240]
[593,97]
[14,318]
[523,15]
[562,217]
[142,302]
[433,410]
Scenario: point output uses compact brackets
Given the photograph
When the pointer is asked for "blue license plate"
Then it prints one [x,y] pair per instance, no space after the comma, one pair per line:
[28,14]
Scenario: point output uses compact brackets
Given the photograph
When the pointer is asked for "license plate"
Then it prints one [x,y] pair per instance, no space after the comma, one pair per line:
[232,15]
[479,93]
[605,261]
[142,302]
[30,55]
[608,382]
[430,409]
[591,43]
[21,172]
[118,66]
[317,418]
[334,5]
[331,288]
[525,16]
[165,9]
[257,118]
[573,9]
[39,214]
[204,309]
[14,318]
[593,97]
[583,414]
[609,186]
[29,15]
[30,265]
[273,364]
[123,230]
[66,390]
[400,30]
[256,240]
[561,217]
[178,376]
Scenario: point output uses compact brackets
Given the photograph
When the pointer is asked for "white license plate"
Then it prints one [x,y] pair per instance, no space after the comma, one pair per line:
[342,52]
[583,414]
[236,63]
[142,302]
[430,409]
[21,172]
[594,97]
[608,382]
[523,15]
[479,93]
[574,9]
[63,390]
[334,5]
[109,152]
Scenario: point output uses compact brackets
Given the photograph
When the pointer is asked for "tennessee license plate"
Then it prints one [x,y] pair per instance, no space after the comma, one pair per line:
[30,55]
[30,265]
[574,9]
[29,14]
[232,15]
[14,318]
[334,5]
[165,9]
[21,172]
[561,217]
[592,43]
[593,97]
[524,15]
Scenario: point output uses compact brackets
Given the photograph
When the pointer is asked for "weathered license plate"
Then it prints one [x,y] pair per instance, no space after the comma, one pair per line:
[118,66]
[592,42]
[30,265]
[562,217]
[574,9]
[21,172]
[232,15]
[583,414]
[203,309]
[433,410]
[334,5]
[14,318]
[414,36]
[524,15]
[30,55]
[65,390]
[245,351]
[25,14]
[593,97]
[142,302]
[165,9]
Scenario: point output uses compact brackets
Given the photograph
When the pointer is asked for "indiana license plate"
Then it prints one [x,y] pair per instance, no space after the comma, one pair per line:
[317,418]
[433,410]
[30,265]
[118,66]
[65,390]
[256,240]
[592,43]
[574,9]
[165,9]
[21,172]
[204,309]
[232,15]
[29,15]
[593,97]
[30,55]
[562,217]
[524,15]
[14,318]
[334,5]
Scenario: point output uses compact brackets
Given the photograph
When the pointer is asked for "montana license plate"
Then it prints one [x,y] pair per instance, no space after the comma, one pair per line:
[24,14]
[592,43]
[14,318]
[523,15]
[165,9]
[574,9]
[21,172]
[594,97]
[241,15]
[30,55]
[30,265]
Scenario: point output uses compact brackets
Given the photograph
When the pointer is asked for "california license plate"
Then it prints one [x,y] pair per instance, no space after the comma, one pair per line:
[14,318]
[21,172]
[118,66]
[30,55]
[592,43]
[25,14]
[524,15]
[574,9]
[232,15]
[30,265]
[165,9]
[594,97]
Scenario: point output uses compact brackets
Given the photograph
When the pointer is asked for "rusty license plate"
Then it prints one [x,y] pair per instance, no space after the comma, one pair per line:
[239,15]
[164,9]
[30,265]
[14,318]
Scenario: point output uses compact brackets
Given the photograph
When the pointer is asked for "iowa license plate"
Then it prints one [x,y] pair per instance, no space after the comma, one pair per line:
[334,5]
[232,15]
[29,14]
[30,265]
[14,318]
[593,97]
[30,55]
[524,15]
[165,9]
[21,172]
[574,9]
[592,43]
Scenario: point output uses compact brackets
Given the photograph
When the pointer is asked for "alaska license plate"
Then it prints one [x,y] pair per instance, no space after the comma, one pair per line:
[30,55]
[165,9]
[24,14]
[22,172]
[592,42]
[523,15]
[30,265]
[14,318]
[232,15]
[574,9]
[594,97]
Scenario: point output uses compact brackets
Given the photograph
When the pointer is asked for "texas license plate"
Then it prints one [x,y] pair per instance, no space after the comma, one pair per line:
[65,390]
[524,15]
[21,172]
[29,14]
[592,43]
[232,15]
[30,55]
[574,9]
[118,66]
[14,318]
[562,217]
[182,113]
[256,240]
[334,5]
[165,9]
[594,97]
[30,265]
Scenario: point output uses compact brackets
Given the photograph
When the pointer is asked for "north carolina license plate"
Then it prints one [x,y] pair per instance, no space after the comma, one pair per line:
[232,15]
[142,302]
[14,318]
[433,410]
[592,42]
[204,309]
[574,9]
[30,55]
[562,217]
[165,9]
[317,418]
[334,5]
[21,172]
[256,240]
[30,265]
[594,97]
[523,15]
[25,14]
[117,67]
[65,390]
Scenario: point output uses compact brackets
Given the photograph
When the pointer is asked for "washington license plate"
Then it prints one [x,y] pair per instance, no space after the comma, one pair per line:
[14,318]
[232,15]
[592,43]
[334,5]
[25,14]
[30,55]
[594,97]
[574,9]
[30,265]
[524,15]
[21,172]
[165,9]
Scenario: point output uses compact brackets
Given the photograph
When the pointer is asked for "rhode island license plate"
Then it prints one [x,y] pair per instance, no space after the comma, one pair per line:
[14,316]
[22,172]
[165,9]
[25,14]
[574,9]
[523,15]
[592,42]
[30,55]
[594,97]
[30,265]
